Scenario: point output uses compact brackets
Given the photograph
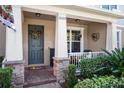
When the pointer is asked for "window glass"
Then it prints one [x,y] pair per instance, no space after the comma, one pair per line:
[73,40]
[118,40]
[68,46]
[109,7]
[105,6]
[75,46]
[75,35]
[113,7]
[68,35]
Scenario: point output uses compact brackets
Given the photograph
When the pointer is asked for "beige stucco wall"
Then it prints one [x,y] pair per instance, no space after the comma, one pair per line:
[2,39]
[97,28]
[122,38]
[49,37]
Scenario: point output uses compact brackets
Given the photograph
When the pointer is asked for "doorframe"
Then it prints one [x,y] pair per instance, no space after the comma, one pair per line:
[82,38]
[29,47]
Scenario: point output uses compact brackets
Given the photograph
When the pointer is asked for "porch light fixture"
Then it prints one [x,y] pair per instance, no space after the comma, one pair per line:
[77,20]
[38,14]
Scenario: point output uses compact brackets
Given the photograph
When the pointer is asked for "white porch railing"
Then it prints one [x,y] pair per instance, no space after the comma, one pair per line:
[76,57]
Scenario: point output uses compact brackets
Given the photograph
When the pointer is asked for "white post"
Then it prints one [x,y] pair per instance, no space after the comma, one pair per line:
[111,36]
[14,50]
[61,60]
[61,36]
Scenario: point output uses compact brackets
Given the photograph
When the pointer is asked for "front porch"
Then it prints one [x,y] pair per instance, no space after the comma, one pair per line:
[80,36]
[69,32]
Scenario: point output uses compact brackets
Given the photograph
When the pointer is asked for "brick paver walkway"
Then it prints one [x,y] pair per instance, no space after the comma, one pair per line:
[49,85]
[39,76]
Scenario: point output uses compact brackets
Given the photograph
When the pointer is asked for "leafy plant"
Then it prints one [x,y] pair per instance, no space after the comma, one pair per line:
[101,82]
[98,66]
[5,77]
[116,57]
[71,78]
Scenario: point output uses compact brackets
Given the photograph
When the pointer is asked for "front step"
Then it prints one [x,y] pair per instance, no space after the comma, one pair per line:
[26,85]
[38,75]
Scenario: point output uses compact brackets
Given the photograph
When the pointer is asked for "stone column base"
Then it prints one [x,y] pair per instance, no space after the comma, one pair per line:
[18,72]
[60,68]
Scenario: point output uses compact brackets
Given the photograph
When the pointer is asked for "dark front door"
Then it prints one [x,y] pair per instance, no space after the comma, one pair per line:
[36,44]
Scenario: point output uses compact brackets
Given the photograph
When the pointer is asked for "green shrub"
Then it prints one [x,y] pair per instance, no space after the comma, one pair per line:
[71,78]
[101,82]
[5,77]
[89,67]
[117,59]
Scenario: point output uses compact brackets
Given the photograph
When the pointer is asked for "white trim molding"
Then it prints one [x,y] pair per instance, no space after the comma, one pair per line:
[81,29]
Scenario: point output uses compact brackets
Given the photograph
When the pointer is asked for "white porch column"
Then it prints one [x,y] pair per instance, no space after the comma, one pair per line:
[111,36]
[14,50]
[61,60]
[61,36]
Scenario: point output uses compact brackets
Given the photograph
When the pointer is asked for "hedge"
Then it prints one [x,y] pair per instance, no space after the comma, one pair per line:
[71,78]
[89,67]
[101,82]
[5,77]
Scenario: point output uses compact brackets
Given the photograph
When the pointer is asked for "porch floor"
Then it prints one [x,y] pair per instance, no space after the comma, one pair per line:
[38,75]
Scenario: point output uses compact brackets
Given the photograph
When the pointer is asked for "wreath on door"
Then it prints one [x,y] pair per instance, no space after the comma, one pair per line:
[36,34]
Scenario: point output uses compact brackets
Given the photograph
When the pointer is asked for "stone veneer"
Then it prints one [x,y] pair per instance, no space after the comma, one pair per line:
[18,72]
[60,68]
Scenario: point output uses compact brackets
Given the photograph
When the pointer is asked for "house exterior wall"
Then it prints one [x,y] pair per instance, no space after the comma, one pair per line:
[49,37]
[120,9]
[123,39]
[2,39]
[97,28]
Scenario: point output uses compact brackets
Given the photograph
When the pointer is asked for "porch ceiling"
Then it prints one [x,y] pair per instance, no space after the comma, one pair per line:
[42,16]
[76,12]
[53,18]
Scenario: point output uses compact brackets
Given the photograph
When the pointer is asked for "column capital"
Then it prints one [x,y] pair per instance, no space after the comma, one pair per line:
[61,15]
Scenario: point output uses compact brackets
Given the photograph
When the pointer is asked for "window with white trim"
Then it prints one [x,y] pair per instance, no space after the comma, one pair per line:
[109,7]
[73,40]
[118,39]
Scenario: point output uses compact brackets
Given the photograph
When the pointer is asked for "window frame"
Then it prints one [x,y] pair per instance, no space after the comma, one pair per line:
[81,29]
[120,38]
